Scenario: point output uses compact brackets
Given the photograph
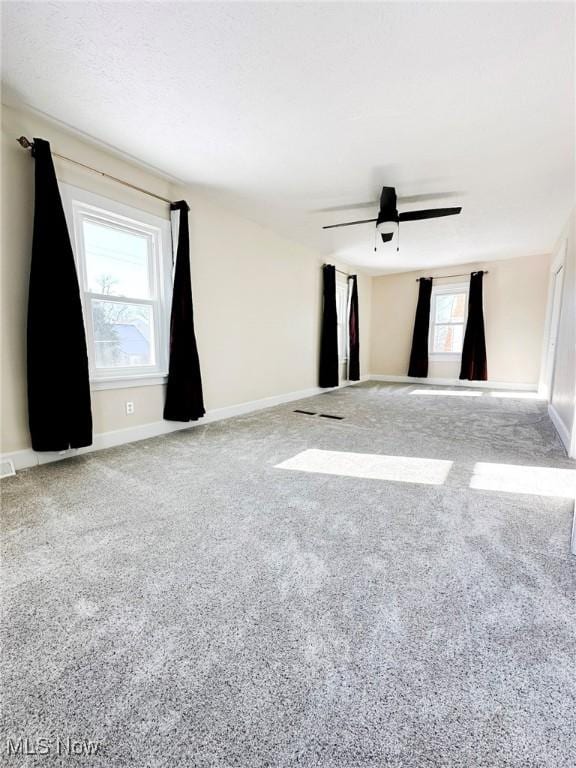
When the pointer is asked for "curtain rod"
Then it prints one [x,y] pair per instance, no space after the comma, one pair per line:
[460,274]
[27,144]
[340,271]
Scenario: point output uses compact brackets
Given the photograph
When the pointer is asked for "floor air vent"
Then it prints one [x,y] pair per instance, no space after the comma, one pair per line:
[322,415]
[7,468]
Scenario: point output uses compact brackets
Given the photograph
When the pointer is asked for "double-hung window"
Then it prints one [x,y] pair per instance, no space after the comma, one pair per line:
[342,314]
[448,313]
[124,271]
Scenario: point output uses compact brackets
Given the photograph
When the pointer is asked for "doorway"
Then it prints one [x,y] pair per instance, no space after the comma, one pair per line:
[555,307]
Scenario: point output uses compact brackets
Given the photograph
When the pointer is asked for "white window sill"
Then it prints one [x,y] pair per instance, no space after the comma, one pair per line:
[445,357]
[127,382]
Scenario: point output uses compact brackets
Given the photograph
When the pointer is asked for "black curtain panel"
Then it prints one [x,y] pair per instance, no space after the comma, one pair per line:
[419,353]
[329,335]
[184,399]
[59,411]
[353,333]
[474,365]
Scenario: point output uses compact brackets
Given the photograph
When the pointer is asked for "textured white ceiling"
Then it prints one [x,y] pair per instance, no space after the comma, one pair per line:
[281,109]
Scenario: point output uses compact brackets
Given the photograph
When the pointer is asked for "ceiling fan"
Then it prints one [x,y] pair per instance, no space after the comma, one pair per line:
[388,220]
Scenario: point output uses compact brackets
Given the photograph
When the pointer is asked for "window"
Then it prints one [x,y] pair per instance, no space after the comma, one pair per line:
[448,312]
[342,318]
[124,272]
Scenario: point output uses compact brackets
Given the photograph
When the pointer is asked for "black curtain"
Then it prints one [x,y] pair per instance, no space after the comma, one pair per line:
[419,353]
[353,334]
[329,336]
[474,366]
[59,411]
[184,399]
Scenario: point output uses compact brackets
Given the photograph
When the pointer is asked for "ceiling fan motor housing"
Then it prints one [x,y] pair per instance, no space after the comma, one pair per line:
[387,221]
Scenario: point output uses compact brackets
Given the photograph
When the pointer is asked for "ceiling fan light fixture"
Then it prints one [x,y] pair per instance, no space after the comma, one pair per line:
[387,230]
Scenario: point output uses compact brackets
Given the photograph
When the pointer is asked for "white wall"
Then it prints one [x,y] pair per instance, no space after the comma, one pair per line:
[515,295]
[563,395]
[257,296]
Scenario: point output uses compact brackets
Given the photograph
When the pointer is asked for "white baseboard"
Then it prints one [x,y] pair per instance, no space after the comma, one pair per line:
[29,458]
[564,435]
[509,385]
[561,428]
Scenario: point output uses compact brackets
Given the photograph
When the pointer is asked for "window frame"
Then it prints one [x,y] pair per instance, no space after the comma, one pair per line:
[81,205]
[442,290]
[342,303]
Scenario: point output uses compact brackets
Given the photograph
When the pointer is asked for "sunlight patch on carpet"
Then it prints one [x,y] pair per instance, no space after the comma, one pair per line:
[513,478]
[404,469]
[516,395]
[448,392]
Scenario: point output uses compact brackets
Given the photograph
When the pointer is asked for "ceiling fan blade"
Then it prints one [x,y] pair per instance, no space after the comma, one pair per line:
[432,213]
[428,196]
[350,207]
[400,199]
[349,223]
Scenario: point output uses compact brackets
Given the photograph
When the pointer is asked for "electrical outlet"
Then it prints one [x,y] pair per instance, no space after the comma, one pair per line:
[129,408]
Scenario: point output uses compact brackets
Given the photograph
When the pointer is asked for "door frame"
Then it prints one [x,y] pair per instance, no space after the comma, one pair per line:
[554,305]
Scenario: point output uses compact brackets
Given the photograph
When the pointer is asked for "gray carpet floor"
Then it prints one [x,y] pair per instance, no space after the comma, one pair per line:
[186,601]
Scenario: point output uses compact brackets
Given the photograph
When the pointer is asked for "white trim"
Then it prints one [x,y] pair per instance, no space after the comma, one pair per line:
[573,537]
[445,357]
[441,290]
[557,270]
[455,382]
[175,227]
[127,382]
[561,428]
[100,202]
[343,315]
[79,204]
[29,458]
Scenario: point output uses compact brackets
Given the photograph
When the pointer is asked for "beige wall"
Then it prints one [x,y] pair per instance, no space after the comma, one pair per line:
[563,396]
[257,296]
[515,296]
